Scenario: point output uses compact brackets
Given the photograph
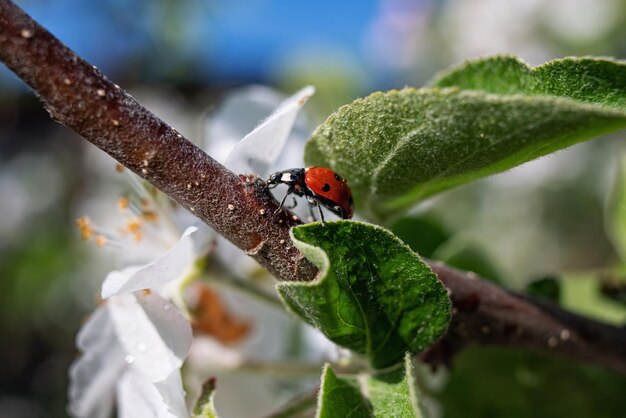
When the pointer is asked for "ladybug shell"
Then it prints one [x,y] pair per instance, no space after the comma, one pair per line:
[330,189]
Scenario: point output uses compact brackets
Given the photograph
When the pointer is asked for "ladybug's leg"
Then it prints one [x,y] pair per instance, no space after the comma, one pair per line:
[313,202]
[319,208]
[294,203]
[289,191]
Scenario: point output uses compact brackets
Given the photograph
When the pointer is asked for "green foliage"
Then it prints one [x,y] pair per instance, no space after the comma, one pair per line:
[374,295]
[340,397]
[391,394]
[596,81]
[616,211]
[482,118]
[504,383]
[582,294]
[423,234]
[427,237]
[394,394]
[464,255]
[547,287]
[613,287]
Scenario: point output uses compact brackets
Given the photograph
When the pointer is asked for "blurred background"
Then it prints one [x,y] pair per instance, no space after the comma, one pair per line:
[546,220]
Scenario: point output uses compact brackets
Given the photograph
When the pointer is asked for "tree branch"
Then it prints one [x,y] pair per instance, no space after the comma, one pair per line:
[79,96]
[486,314]
[239,208]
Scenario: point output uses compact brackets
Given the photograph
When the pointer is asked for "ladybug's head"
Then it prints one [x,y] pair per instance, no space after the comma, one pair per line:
[289,177]
[273,180]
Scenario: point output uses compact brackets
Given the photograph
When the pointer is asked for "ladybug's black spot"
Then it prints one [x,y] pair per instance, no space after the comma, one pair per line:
[326,187]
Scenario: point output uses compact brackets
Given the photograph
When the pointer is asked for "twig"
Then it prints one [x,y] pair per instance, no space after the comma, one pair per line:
[80,97]
[486,314]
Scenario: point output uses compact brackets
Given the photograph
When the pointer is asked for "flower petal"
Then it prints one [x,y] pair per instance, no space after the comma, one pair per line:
[258,150]
[154,334]
[138,397]
[95,373]
[237,115]
[173,394]
[166,268]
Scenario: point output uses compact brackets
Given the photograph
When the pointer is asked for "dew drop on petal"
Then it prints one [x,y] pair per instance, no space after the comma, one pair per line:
[129,359]
[141,347]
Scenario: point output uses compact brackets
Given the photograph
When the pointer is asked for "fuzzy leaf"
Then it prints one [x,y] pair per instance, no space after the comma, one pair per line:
[394,394]
[401,146]
[340,397]
[390,394]
[374,295]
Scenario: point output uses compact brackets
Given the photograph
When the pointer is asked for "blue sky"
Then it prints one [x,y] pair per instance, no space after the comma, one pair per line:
[223,40]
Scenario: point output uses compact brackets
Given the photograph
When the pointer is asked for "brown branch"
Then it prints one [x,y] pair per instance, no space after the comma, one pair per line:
[486,314]
[80,97]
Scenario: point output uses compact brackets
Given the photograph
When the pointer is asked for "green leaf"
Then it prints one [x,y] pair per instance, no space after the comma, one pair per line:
[597,81]
[373,295]
[401,146]
[205,406]
[386,395]
[341,397]
[394,394]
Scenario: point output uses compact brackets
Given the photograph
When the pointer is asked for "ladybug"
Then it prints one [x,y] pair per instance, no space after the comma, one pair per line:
[320,186]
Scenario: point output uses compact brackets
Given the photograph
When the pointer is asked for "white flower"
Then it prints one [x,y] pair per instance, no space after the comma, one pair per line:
[135,343]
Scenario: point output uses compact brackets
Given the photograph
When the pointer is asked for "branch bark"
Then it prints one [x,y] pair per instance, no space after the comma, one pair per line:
[486,314]
[77,95]
[80,97]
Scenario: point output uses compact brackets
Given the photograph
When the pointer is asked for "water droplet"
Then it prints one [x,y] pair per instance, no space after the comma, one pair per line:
[552,341]
[129,359]
[141,347]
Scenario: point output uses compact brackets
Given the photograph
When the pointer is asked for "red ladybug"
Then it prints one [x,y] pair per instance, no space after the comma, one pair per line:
[320,186]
